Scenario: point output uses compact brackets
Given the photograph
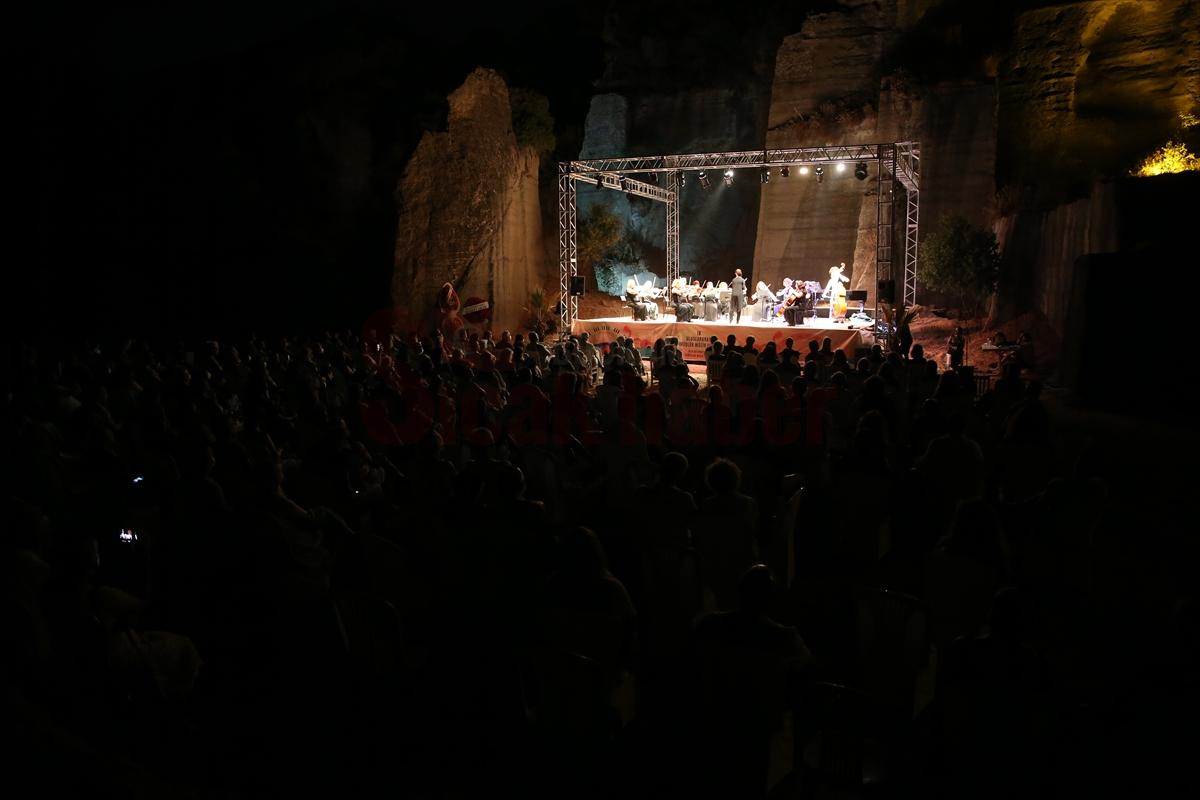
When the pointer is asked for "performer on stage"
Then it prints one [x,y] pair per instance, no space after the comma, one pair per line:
[632,290]
[737,296]
[837,292]
[648,295]
[710,299]
[812,291]
[765,299]
[783,296]
[796,304]
[679,296]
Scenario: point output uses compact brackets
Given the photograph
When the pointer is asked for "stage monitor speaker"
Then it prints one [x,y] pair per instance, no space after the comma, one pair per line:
[856,296]
[887,291]
[578,284]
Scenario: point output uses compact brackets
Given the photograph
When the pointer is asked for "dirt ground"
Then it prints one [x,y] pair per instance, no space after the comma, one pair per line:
[931,332]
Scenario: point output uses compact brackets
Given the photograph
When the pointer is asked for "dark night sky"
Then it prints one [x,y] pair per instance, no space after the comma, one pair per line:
[192,157]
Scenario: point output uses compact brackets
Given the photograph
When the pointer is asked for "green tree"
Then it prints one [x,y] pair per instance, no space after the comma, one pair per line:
[531,120]
[598,232]
[961,260]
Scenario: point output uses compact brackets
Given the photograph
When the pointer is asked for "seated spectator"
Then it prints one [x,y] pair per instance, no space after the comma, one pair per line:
[748,665]
[727,532]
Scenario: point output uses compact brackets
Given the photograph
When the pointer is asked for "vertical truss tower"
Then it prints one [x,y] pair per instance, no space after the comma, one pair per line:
[898,166]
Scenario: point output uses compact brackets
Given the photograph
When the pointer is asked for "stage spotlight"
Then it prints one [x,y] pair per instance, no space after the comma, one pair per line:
[682,179]
[804,170]
[728,177]
[652,177]
[860,171]
[623,183]
[819,172]
[765,175]
[841,166]
[702,176]
[784,172]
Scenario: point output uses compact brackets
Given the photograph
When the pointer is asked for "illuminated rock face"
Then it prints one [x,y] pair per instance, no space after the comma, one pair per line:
[469,209]
[1093,84]
[1083,89]
[827,91]
[717,225]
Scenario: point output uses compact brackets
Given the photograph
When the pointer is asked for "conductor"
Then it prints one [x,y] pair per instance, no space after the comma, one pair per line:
[737,296]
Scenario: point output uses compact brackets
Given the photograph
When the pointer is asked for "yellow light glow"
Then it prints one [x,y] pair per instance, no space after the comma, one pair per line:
[1187,119]
[1172,157]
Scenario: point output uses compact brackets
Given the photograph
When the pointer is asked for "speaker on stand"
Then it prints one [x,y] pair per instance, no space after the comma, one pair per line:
[578,285]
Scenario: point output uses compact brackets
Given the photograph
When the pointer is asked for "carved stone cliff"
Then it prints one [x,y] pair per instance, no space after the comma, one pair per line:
[469,211]
[1085,85]
[1080,89]
[1090,84]
[827,90]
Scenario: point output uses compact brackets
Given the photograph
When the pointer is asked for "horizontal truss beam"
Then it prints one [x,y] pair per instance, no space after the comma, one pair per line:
[896,162]
[621,183]
[739,160]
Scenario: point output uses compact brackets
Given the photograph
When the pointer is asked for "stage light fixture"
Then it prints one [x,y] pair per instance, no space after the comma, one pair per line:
[682,179]
[804,170]
[702,176]
[860,171]
[784,172]
[765,175]
[623,183]
[728,177]
[841,166]
[819,172]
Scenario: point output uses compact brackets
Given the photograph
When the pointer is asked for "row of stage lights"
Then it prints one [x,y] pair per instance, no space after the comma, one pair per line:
[764,174]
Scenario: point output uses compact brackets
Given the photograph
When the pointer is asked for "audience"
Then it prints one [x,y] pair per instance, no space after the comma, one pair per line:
[281,565]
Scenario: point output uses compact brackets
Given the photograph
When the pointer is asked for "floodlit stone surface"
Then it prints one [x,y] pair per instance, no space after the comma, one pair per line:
[469,208]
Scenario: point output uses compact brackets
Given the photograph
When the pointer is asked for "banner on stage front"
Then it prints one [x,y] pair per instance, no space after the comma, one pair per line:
[694,336]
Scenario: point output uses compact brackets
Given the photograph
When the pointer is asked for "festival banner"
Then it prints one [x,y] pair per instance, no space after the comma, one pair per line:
[694,337]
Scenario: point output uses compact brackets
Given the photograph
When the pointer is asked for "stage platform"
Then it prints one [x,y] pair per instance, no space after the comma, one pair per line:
[693,336]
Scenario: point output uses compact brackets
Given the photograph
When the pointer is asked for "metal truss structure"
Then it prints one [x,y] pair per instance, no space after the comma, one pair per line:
[897,163]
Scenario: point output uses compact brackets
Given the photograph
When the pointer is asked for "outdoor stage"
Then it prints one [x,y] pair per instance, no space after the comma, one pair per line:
[693,336]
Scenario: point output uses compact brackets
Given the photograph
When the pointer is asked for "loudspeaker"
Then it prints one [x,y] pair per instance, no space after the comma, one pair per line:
[578,282]
[856,296]
[887,292]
